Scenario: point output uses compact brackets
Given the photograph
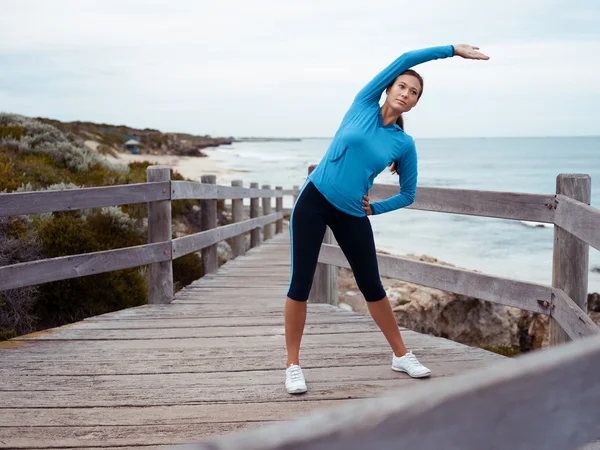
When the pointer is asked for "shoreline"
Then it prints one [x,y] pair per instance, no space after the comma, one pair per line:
[190,167]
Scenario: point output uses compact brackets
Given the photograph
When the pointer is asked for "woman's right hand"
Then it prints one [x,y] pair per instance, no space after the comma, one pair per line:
[468,52]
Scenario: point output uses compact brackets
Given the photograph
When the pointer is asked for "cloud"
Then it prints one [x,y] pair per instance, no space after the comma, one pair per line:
[292,68]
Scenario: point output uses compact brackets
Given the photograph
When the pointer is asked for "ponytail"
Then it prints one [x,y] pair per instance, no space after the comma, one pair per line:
[394,165]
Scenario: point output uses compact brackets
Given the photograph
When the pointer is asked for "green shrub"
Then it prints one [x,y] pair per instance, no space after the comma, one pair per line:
[504,350]
[11,132]
[186,270]
[5,335]
[71,300]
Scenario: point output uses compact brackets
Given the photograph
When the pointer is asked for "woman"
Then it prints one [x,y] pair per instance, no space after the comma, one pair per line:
[369,139]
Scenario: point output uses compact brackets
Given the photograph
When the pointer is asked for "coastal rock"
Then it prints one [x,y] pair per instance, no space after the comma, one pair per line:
[459,318]
[456,317]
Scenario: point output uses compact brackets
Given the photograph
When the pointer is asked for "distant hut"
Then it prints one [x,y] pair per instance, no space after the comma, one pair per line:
[132,146]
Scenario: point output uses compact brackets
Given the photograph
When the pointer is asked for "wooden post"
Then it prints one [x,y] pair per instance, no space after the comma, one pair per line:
[160,275]
[255,233]
[279,208]
[208,221]
[570,263]
[266,206]
[237,215]
[296,192]
[324,287]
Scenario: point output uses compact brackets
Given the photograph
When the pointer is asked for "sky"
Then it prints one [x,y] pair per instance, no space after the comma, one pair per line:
[292,68]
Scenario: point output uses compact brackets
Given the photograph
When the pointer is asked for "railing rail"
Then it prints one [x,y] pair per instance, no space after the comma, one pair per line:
[158,192]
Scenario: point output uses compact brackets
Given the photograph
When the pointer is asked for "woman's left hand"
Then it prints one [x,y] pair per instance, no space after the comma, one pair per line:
[366,206]
[469,52]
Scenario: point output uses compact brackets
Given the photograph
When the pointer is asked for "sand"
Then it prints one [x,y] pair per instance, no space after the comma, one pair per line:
[190,167]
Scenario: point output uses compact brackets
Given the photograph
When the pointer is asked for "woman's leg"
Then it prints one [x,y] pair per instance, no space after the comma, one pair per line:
[307,228]
[355,237]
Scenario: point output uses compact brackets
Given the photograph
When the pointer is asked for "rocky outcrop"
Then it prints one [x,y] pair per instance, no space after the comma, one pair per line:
[463,319]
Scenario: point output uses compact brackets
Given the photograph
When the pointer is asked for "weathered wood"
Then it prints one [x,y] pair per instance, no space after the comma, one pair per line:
[189,373]
[254,213]
[237,215]
[208,219]
[175,414]
[570,316]
[426,417]
[505,205]
[296,192]
[149,437]
[324,286]
[579,219]
[160,274]
[570,263]
[194,332]
[279,208]
[73,199]
[192,190]
[448,360]
[266,208]
[232,378]
[194,242]
[65,267]
[520,294]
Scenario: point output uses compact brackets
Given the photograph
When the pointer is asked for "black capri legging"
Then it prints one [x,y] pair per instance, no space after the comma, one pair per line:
[310,216]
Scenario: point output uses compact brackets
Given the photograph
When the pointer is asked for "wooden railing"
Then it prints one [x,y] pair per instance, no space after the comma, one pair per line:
[161,249]
[577,225]
[547,400]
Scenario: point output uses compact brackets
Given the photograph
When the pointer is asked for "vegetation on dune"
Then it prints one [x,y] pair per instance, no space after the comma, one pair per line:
[35,155]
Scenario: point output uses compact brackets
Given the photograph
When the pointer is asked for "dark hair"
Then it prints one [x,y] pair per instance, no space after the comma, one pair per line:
[400,121]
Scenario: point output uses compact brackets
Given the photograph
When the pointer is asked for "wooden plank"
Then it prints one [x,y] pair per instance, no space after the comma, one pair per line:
[504,205]
[122,437]
[505,291]
[426,417]
[160,274]
[571,318]
[73,199]
[237,215]
[157,415]
[266,210]
[231,378]
[206,394]
[182,362]
[208,322]
[64,267]
[343,341]
[191,190]
[254,214]
[579,219]
[570,257]
[194,242]
[208,221]
[279,208]
[71,333]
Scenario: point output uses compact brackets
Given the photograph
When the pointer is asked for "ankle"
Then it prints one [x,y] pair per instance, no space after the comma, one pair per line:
[292,363]
[400,354]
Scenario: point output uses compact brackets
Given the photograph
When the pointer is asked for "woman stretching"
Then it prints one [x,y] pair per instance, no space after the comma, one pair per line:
[370,138]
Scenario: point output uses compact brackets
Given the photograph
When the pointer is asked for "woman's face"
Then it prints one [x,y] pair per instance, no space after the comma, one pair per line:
[404,93]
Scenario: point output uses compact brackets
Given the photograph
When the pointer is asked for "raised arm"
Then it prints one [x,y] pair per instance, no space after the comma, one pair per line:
[372,91]
[408,173]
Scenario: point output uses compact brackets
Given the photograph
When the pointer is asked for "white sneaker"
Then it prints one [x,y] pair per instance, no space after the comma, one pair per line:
[411,365]
[294,380]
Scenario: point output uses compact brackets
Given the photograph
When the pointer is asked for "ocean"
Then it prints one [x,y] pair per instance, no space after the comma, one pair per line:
[512,249]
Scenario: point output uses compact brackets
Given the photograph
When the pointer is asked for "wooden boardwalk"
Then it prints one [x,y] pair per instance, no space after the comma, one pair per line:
[209,363]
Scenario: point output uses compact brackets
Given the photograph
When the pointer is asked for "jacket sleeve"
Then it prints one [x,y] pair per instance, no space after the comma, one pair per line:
[372,91]
[408,174]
